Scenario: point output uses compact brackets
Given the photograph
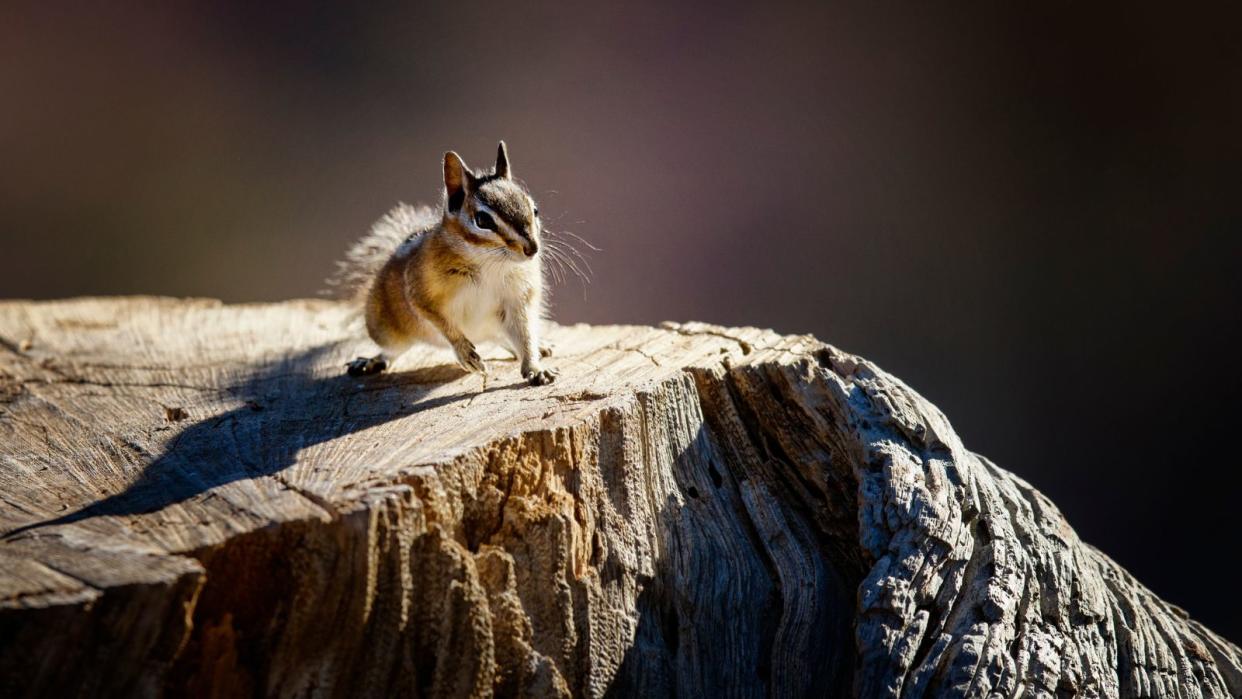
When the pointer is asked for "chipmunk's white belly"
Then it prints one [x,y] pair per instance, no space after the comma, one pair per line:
[476,310]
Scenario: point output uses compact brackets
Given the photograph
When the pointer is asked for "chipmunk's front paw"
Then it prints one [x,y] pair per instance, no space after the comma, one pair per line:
[539,376]
[468,357]
[365,366]
[545,351]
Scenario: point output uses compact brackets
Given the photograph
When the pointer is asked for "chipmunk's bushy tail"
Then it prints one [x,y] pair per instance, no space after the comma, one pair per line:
[363,260]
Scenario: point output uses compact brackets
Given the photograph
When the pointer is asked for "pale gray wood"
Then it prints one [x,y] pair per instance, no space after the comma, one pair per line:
[196,500]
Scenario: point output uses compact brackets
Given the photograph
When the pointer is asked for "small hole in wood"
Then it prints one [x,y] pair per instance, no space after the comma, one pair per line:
[715,474]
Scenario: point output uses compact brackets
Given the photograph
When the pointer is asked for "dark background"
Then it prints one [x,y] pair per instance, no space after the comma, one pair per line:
[1030,214]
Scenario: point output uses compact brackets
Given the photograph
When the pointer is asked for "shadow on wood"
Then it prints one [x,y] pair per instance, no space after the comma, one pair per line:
[262,437]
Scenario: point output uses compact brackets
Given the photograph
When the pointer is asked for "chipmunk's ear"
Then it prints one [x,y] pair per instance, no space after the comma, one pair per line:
[502,161]
[457,180]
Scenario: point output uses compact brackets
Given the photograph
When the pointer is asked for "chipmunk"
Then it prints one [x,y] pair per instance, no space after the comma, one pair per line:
[469,273]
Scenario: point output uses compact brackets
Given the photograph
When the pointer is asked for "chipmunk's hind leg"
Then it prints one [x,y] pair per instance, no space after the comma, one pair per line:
[365,366]
[392,343]
[390,348]
[389,351]
[391,324]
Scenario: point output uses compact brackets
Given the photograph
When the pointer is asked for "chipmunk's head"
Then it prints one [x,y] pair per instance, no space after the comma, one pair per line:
[491,210]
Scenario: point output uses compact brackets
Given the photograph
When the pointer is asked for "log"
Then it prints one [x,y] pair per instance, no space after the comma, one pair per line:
[197,500]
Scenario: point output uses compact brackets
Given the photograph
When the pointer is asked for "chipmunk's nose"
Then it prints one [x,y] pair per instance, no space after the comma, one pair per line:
[530,247]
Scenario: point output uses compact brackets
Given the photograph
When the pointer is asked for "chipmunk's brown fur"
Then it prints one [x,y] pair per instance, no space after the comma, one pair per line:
[473,275]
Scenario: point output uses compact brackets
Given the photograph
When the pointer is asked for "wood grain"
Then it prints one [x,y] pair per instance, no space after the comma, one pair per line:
[196,500]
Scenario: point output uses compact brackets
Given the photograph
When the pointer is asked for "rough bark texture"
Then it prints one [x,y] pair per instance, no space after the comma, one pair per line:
[198,501]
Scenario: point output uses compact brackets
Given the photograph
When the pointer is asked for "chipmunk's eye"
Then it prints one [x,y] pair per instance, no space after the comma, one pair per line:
[482,219]
[536,212]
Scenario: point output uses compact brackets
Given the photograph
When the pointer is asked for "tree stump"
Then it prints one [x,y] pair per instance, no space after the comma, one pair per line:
[197,500]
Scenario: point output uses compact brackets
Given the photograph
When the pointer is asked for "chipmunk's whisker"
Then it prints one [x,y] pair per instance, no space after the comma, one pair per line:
[580,239]
[569,247]
[571,252]
[555,267]
[569,261]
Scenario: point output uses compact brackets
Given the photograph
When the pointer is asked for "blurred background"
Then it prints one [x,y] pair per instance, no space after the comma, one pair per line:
[1029,213]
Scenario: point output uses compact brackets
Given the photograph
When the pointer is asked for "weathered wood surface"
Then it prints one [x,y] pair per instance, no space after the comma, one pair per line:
[197,500]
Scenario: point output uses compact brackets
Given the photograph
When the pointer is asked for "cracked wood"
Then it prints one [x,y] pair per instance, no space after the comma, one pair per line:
[196,500]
